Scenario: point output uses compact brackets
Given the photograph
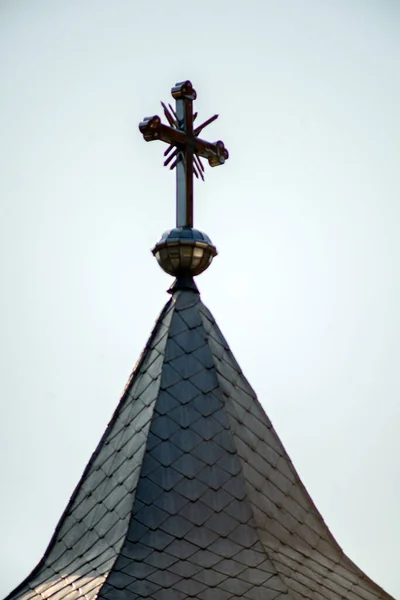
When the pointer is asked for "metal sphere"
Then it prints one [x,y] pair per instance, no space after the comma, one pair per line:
[184,251]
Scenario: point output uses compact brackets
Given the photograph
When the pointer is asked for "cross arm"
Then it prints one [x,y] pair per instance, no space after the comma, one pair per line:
[215,152]
[152,129]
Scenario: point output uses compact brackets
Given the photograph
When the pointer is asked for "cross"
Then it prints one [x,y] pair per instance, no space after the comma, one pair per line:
[185,148]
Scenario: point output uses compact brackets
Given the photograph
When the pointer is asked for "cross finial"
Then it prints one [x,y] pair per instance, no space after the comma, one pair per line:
[185,148]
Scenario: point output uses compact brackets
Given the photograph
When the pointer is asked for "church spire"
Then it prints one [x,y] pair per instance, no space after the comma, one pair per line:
[190,493]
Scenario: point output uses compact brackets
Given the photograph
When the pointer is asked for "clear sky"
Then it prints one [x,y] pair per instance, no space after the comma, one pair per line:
[305,215]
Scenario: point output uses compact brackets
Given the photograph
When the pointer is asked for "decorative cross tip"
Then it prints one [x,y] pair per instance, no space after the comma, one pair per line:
[185,149]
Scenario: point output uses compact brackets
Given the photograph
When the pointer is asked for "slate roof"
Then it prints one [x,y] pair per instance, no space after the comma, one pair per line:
[190,493]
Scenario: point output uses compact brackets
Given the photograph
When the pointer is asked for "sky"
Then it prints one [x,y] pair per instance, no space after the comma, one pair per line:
[304,214]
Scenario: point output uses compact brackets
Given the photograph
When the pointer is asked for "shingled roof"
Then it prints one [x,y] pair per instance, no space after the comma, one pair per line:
[190,493]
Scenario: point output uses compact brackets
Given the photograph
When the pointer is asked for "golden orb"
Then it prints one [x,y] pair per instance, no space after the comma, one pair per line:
[184,251]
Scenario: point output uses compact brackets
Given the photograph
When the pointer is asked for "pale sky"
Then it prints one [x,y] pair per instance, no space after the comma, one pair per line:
[305,215]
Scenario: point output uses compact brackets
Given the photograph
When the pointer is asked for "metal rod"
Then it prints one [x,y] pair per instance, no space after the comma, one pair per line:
[170,157]
[170,118]
[200,163]
[196,166]
[175,163]
[188,155]
[168,150]
[204,125]
[173,112]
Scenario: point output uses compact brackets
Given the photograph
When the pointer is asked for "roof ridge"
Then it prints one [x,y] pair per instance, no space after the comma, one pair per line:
[210,317]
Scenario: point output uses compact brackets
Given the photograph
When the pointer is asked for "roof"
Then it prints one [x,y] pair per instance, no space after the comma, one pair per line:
[190,493]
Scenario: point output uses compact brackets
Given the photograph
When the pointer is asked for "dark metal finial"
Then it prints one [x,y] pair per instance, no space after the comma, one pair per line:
[185,148]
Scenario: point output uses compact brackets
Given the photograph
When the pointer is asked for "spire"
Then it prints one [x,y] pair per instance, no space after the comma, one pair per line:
[190,492]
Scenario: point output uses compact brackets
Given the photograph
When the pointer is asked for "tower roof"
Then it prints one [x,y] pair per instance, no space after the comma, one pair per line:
[190,493]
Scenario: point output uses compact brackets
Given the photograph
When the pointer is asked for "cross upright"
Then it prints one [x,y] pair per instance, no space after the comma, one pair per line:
[185,148]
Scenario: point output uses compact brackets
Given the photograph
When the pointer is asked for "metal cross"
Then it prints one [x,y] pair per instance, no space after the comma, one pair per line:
[185,147]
